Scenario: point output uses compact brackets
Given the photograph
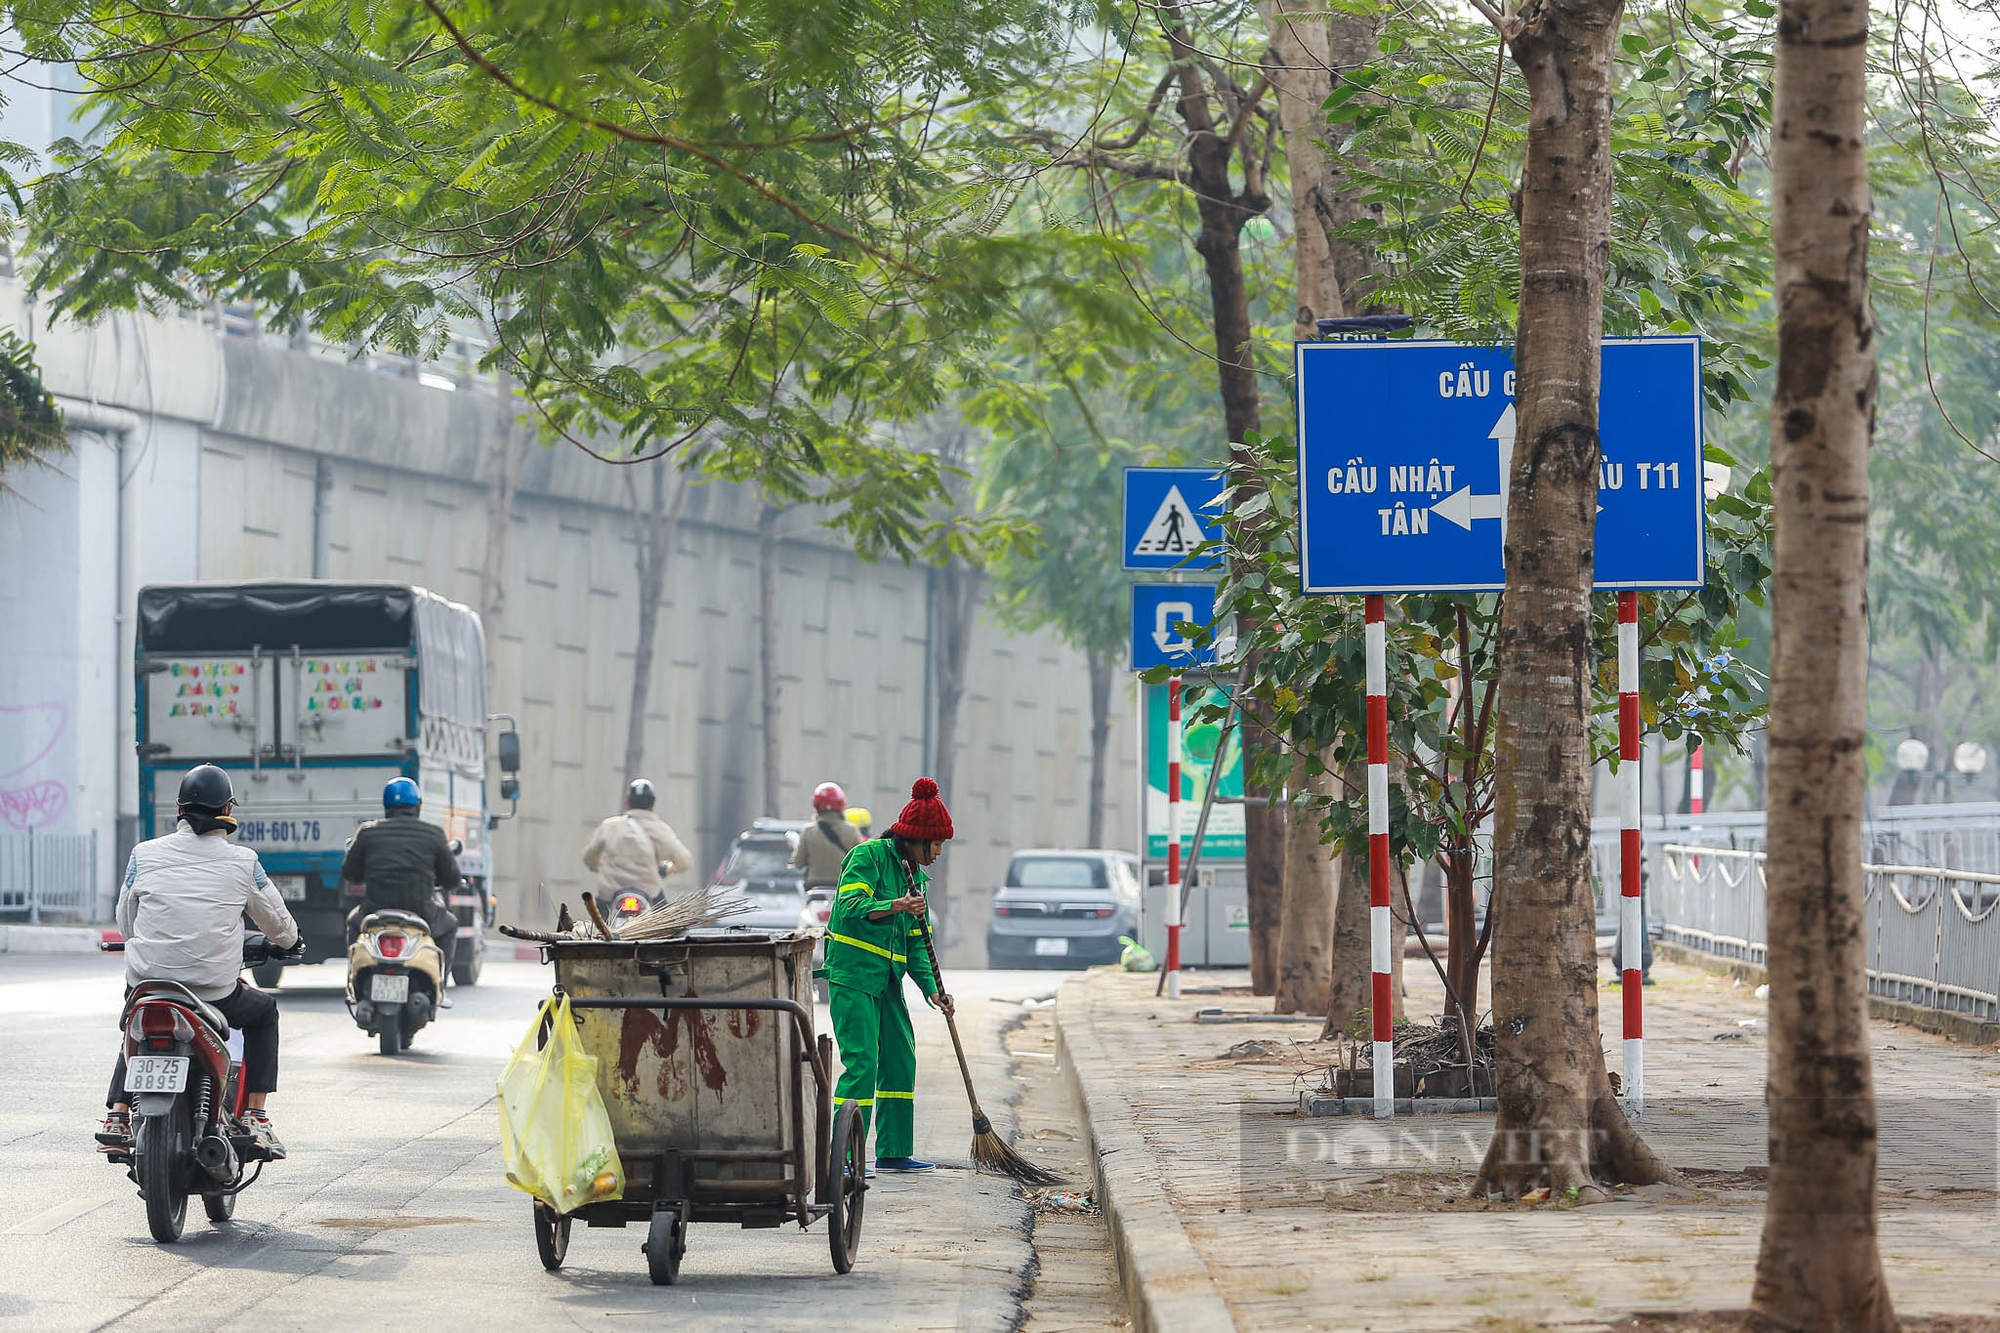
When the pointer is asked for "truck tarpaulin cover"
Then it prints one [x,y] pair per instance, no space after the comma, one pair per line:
[329,617]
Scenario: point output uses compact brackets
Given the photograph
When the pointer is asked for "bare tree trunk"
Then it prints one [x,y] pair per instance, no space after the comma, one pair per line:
[1305,938]
[1100,741]
[1819,1266]
[1312,51]
[1350,990]
[1559,1123]
[955,585]
[653,528]
[767,648]
[1222,209]
[503,474]
[1300,70]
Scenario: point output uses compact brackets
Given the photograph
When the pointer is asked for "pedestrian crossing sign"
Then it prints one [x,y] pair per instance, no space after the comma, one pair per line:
[1169,512]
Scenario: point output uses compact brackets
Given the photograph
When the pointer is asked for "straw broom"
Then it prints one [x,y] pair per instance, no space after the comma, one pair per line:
[989,1151]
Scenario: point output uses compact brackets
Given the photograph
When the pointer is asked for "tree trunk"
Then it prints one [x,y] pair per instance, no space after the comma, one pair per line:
[1312,50]
[767,647]
[955,586]
[1100,741]
[1350,991]
[1819,1266]
[1300,69]
[1222,210]
[1305,936]
[653,529]
[1559,1124]
[503,473]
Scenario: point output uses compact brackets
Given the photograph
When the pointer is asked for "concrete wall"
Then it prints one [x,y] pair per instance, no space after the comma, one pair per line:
[220,438]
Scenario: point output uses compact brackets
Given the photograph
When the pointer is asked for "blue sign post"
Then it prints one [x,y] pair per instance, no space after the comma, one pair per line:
[1168,512]
[1158,611]
[1405,450]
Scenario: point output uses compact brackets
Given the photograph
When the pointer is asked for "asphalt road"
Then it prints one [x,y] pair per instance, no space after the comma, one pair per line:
[392,1209]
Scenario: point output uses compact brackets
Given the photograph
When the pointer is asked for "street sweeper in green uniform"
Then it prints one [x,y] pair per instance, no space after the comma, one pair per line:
[874,937]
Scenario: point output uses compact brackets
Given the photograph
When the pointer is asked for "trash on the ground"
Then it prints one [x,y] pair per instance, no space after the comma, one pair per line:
[1763,992]
[1046,1133]
[1536,1196]
[1065,1201]
[1136,956]
[1749,1022]
[1251,1050]
[1728,1036]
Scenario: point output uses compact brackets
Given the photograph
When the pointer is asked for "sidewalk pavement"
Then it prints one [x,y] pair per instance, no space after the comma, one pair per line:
[1231,1208]
[53,939]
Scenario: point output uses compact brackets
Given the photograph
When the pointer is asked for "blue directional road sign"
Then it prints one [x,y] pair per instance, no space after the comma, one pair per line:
[1168,512]
[1158,611]
[1404,457]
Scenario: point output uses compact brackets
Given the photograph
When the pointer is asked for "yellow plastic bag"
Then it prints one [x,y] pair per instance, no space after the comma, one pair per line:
[554,1133]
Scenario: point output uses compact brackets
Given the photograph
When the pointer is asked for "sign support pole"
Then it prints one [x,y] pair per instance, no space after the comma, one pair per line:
[1631,919]
[1173,967]
[1381,998]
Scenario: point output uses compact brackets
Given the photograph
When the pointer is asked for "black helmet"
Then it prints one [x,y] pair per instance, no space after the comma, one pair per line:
[639,794]
[206,789]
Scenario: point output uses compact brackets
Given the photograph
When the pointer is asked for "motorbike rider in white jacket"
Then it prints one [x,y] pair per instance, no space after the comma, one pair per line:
[181,911]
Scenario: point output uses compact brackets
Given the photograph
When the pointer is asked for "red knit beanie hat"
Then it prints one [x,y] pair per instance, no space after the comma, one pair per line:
[924,819]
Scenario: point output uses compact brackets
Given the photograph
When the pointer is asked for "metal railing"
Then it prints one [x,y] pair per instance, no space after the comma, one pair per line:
[1932,935]
[48,874]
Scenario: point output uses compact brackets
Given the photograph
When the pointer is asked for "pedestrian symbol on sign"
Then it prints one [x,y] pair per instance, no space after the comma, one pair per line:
[1173,530]
[1170,513]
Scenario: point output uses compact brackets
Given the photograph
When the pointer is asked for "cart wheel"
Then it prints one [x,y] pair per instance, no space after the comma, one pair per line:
[666,1242]
[551,1236]
[847,1176]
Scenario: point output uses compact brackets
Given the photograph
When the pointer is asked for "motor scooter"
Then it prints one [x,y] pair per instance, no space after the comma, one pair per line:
[395,976]
[184,1075]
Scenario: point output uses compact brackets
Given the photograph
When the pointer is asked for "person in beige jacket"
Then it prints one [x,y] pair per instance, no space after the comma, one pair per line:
[635,850]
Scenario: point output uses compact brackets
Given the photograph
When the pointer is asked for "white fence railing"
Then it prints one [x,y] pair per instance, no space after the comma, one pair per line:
[48,874]
[1932,932]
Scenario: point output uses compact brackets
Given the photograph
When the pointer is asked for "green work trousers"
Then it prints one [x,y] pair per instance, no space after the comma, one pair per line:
[878,1057]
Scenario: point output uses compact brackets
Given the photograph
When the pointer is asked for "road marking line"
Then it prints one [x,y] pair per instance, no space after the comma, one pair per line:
[41,1224]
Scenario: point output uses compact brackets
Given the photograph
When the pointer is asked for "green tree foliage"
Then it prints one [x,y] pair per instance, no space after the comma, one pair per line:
[680,223]
[31,425]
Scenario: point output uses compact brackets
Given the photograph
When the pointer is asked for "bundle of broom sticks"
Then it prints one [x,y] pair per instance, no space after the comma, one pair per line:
[665,920]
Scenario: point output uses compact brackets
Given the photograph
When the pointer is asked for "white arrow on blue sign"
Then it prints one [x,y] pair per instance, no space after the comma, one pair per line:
[1405,450]
[1158,612]
[1168,512]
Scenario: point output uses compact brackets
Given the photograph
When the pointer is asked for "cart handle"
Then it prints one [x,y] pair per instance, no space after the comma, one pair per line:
[800,1018]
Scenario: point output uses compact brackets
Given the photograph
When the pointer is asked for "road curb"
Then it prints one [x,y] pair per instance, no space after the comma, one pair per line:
[52,939]
[1168,1288]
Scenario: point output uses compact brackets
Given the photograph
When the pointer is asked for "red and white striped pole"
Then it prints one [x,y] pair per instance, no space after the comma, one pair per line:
[1631,920]
[1174,837]
[1697,780]
[1382,1004]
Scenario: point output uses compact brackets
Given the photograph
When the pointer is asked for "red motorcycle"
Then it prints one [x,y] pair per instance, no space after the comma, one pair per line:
[187,1096]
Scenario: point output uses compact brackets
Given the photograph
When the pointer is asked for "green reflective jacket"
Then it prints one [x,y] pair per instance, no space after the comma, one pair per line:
[873,956]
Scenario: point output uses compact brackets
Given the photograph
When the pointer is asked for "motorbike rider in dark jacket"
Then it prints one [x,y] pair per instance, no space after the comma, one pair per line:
[403,860]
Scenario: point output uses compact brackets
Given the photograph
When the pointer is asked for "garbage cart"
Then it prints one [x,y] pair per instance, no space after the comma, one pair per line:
[719,1093]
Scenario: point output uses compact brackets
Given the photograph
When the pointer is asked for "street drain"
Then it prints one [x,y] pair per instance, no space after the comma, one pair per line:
[404,1223]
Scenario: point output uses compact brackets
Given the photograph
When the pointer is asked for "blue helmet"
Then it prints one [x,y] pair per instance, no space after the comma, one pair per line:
[401,792]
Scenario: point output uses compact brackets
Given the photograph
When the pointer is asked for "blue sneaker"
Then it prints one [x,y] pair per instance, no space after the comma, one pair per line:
[904,1165]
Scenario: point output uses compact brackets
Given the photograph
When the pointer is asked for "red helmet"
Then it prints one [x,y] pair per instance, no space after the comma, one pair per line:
[829,796]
